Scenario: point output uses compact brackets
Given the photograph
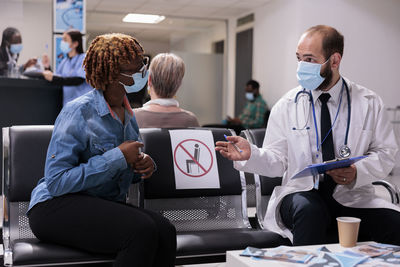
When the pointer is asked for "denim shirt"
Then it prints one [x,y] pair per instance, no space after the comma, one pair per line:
[83,154]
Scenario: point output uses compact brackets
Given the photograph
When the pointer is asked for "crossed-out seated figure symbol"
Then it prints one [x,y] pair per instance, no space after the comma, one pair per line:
[195,160]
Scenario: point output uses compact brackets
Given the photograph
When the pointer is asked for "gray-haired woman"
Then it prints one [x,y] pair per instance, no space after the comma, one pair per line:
[163,111]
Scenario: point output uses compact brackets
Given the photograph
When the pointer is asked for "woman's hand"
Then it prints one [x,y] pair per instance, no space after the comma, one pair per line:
[30,62]
[45,61]
[144,166]
[229,151]
[48,75]
[131,151]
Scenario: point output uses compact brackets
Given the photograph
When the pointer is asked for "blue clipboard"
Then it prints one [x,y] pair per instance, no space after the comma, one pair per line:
[314,169]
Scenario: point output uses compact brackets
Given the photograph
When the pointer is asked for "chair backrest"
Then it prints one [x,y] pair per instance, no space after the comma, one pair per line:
[250,183]
[193,209]
[264,185]
[266,117]
[24,156]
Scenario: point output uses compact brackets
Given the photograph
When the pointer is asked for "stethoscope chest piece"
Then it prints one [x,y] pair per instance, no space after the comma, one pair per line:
[344,151]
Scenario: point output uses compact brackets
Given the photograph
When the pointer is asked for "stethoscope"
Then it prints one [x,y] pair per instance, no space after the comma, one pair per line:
[344,151]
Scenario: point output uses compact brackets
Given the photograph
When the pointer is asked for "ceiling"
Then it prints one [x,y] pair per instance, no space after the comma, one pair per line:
[183,17]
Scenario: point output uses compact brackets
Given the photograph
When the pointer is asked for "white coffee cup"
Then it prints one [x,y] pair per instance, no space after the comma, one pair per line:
[348,230]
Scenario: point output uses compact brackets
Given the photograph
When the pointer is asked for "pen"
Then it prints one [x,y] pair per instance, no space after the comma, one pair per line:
[234,145]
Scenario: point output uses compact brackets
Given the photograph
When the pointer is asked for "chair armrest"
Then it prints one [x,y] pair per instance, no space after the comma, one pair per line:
[393,190]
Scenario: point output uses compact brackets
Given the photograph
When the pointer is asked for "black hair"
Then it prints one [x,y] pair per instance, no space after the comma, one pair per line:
[254,84]
[76,36]
[7,35]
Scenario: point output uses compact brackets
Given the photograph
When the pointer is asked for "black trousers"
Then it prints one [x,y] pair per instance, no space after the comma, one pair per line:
[136,236]
[311,215]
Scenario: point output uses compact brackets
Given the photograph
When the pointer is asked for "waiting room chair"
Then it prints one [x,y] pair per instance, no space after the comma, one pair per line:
[24,154]
[208,221]
[251,194]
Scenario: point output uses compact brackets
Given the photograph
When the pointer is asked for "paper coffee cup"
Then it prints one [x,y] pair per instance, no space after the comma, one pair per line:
[348,230]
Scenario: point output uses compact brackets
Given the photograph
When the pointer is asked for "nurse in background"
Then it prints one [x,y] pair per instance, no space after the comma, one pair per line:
[70,72]
[10,48]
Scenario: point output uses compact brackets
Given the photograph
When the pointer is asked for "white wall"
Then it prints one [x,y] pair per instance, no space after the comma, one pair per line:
[199,42]
[33,20]
[204,87]
[372,36]
[153,48]
[200,91]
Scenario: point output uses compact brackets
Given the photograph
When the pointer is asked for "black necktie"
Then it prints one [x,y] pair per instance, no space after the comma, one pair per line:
[328,152]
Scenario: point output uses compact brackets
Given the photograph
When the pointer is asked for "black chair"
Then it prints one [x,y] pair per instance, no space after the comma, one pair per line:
[208,221]
[251,194]
[266,117]
[265,185]
[24,154]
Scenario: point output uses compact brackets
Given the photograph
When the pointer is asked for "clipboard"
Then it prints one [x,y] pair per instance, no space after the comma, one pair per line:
[314,169]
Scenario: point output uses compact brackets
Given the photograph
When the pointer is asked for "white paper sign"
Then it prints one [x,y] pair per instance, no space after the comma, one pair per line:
[195,163]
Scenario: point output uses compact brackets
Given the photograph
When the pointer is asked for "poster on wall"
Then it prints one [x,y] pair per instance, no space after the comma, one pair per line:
[69,14]
[58,55]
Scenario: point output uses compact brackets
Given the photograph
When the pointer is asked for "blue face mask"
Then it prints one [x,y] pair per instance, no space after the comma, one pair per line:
[15,48]
[139,80]
[64,47]
[250,96]
[309,74]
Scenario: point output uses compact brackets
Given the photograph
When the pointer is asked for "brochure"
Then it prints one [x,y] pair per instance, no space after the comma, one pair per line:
[387,260]
[282,253]
[376,249]
[337,259]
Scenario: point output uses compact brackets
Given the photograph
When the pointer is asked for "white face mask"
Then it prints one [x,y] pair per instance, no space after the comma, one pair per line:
[139,79]
[250,96]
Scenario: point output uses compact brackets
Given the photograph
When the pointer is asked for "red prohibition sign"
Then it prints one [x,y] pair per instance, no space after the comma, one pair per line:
[191,157]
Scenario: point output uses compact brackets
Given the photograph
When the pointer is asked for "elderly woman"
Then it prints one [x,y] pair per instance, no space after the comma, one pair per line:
[163,111]
[93,157]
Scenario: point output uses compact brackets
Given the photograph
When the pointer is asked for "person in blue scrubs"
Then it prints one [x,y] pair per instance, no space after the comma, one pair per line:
[70,73]
[92,159]
[10,49]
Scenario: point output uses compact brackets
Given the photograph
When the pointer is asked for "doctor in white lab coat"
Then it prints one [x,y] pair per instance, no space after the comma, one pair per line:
[305,209]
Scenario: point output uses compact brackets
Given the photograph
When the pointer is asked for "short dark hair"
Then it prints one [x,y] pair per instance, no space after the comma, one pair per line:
[7,35]
[254,84]
[76,36]
[332,42]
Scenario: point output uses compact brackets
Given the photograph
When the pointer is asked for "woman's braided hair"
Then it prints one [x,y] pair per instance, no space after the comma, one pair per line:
[105,55]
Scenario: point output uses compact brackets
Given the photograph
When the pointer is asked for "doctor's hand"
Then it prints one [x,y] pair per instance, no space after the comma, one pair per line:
[144,166]
[344,176]
[229,151]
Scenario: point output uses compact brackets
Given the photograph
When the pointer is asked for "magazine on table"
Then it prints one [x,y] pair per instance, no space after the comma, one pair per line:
[282,253]
[376,249]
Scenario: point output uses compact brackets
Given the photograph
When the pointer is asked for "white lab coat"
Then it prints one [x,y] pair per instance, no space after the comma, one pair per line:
[285,152]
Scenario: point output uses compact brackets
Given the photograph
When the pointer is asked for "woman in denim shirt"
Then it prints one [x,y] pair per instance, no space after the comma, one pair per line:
[93,157]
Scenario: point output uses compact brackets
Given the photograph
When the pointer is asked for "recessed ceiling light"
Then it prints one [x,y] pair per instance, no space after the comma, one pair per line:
[143,18]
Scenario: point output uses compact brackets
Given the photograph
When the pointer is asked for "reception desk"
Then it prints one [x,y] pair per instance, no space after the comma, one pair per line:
[26,101]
